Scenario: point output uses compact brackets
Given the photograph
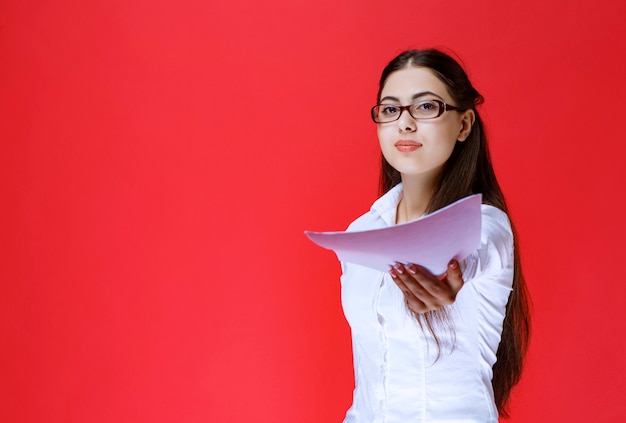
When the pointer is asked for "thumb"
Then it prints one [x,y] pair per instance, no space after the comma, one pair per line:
[454,275]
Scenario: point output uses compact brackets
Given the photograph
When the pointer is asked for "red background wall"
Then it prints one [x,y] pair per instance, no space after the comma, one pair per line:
[160,161]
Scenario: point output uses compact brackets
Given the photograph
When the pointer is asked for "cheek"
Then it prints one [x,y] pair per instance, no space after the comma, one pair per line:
[385,134]
[379,132]
[446,135]
[385,139]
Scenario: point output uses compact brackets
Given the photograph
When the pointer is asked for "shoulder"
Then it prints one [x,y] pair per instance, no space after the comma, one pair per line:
[381,214]
[495,256]
[496,225]
[372,219]
[488,273]
[367,221]
[496,228]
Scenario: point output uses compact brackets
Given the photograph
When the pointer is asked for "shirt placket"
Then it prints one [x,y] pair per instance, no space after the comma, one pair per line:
[381,388]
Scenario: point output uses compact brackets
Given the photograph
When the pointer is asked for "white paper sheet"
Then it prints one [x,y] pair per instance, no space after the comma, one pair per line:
[431,241]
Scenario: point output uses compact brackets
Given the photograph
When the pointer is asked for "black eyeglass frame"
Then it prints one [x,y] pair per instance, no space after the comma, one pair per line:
[443,107]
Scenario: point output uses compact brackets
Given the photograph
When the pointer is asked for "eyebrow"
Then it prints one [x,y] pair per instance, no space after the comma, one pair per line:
[414,97]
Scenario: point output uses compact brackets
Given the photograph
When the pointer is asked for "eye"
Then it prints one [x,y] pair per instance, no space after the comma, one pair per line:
[388,110]
[425,109]
[427,106]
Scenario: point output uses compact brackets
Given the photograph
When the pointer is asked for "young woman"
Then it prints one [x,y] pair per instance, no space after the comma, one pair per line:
[435,348]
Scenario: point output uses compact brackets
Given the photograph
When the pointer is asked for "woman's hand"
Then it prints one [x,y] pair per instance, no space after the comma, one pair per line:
[424,291]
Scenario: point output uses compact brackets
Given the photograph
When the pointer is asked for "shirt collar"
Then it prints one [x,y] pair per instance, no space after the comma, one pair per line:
[387,205]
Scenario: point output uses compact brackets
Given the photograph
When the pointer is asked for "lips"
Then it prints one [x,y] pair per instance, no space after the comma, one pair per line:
[407,145]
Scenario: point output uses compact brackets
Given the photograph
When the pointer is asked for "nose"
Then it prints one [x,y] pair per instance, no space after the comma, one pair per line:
[406,123]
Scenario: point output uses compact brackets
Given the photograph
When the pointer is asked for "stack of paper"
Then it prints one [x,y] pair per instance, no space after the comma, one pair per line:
[431,241]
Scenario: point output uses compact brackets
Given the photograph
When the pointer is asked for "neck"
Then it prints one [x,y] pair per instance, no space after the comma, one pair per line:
[416,196]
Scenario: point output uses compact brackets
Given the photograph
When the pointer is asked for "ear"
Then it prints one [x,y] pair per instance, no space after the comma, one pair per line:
[467,121]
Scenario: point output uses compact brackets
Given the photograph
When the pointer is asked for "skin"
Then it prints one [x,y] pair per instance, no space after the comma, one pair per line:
[421,171]
[424,291]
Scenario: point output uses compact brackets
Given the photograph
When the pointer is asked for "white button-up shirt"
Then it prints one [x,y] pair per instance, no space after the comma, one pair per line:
[398,376]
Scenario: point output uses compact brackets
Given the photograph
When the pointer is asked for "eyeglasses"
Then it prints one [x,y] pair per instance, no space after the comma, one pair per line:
[429,109]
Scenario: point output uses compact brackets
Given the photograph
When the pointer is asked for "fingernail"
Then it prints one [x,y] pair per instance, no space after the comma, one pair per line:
[412,270]
[398,268]
[454,264]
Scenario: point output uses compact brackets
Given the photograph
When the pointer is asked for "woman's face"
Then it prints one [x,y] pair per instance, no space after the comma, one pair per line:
[420,147]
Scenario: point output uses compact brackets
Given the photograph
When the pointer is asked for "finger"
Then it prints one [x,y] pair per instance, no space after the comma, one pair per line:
[427,281]
[412,302]
[405,277]
[454,276]
[417,306]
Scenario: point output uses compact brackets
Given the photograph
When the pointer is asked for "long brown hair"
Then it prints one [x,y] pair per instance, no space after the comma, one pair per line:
[469,171]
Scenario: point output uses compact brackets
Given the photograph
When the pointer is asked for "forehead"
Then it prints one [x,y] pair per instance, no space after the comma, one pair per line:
[406,82]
